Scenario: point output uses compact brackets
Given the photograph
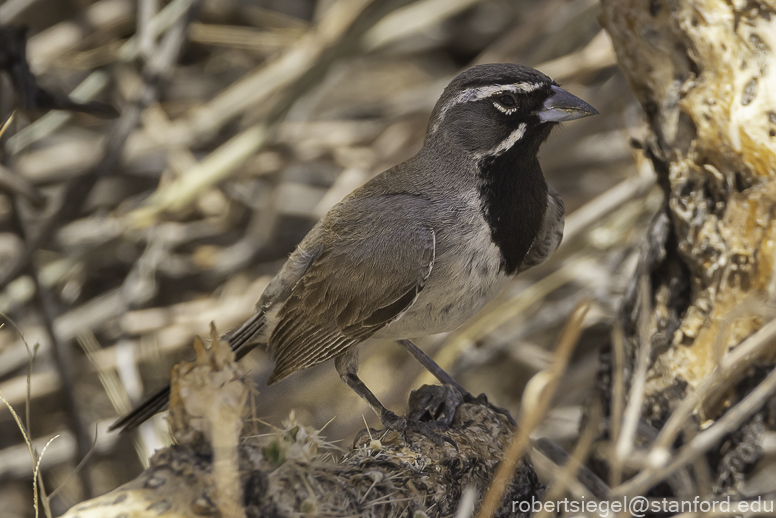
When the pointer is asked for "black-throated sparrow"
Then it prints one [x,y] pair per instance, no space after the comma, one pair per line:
[423,246]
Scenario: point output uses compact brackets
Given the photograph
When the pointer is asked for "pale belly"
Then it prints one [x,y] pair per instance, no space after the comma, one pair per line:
[431,315]
[466,276]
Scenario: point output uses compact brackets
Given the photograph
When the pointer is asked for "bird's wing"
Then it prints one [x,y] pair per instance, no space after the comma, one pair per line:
[377,256]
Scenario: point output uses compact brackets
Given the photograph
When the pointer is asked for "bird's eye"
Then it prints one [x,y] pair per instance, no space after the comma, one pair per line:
[507,100]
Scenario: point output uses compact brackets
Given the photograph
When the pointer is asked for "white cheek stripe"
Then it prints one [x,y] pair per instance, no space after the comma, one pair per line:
[508,142]
[482,92]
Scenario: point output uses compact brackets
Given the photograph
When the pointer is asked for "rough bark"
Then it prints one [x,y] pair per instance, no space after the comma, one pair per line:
[705,74]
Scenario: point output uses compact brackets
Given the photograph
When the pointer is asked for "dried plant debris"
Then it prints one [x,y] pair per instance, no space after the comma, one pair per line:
[212,470]
[30,96]
[196,409]
[293,471]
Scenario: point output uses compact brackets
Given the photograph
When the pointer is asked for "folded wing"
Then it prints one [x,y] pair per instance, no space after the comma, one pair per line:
[374,261]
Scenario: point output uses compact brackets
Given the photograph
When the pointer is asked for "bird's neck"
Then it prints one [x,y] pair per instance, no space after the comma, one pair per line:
[514,201]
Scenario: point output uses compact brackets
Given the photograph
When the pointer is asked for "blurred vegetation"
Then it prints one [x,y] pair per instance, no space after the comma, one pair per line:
[120,240]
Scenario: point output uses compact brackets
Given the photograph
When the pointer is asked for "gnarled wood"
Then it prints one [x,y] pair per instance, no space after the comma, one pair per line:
[705,73]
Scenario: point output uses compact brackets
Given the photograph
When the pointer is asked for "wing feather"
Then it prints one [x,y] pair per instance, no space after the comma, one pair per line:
[365,276]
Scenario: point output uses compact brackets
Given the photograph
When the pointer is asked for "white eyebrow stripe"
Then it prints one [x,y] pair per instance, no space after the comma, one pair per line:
[508,142]
[478,93]
[482,92]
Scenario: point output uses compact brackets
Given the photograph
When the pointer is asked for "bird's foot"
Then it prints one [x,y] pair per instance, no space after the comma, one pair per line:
[437,403]
[404,425]
[482,399]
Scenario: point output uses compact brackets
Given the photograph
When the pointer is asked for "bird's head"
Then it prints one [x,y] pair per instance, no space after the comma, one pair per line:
[489,109]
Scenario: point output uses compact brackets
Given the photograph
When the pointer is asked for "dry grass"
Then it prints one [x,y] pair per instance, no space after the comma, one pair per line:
[219,165]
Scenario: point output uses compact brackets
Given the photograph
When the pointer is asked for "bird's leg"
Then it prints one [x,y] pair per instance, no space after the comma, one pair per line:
[432,366]
[444,378]
[347,368]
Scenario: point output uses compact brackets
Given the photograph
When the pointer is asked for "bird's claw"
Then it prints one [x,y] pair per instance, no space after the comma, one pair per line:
[482,399]
[437,403]
[427,429]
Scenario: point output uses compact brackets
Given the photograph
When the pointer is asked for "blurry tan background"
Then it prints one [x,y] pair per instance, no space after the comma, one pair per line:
[274,111]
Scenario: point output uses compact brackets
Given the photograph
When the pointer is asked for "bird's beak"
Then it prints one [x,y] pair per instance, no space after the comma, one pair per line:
[562,106]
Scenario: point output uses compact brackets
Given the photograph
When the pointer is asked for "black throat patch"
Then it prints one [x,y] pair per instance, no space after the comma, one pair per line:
[514,196]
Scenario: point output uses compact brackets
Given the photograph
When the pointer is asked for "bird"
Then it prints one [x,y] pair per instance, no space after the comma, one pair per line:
[420,248]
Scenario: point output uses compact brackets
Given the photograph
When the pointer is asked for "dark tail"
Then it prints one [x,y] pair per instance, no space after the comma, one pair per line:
[241,340]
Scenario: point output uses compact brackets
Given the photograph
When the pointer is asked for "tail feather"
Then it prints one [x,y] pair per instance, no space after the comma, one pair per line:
[153,404]
[242,340]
